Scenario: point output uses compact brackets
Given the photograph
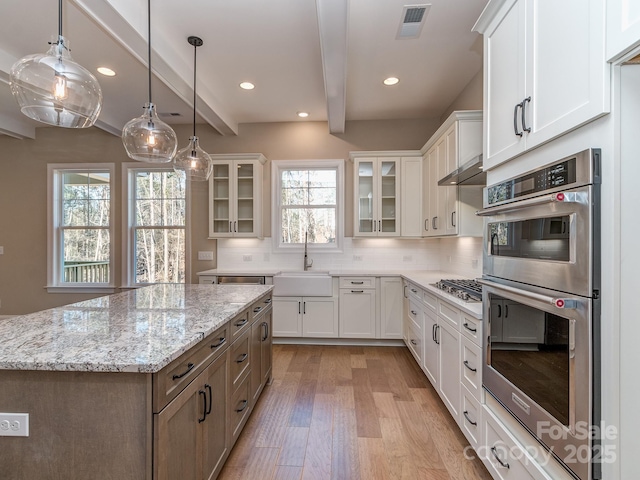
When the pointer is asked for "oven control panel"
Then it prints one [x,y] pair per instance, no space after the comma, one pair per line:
[547,178]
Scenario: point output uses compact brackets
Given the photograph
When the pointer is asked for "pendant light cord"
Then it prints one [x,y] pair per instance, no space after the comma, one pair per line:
[148,43]
[195,49]
[59,19]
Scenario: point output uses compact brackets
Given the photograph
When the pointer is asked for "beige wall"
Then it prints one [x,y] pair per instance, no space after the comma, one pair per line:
[23,187]
[469,99]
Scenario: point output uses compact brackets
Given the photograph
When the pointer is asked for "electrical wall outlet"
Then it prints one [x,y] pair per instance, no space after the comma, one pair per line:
[247,258]
[1,250]
[14,424]
[205,255]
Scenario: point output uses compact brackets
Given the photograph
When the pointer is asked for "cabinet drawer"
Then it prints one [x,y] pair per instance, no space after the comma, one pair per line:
[173,378]
[449,313]
[414,342]
[259,307]
[240,407]
[472,329]
[429,300]
[239,324]
[207,279]
[471,419]
[240,359]
[415,292]
[359,282]
[471,365]
[505,458]
[414,315]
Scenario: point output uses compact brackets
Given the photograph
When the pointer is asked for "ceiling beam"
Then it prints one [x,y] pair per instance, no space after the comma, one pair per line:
[333,16]
[122,30]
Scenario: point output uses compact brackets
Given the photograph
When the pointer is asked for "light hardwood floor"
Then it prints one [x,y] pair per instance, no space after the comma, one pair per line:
[352,413]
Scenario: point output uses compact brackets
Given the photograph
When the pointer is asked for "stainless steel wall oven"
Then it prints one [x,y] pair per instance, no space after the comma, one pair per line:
[541,288]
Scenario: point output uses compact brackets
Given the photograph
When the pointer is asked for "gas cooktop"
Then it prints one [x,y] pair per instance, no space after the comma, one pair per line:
[467,290]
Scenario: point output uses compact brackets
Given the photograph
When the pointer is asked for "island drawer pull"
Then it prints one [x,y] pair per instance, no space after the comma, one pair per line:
[466,325]
[241,322]
[267,301]
[357,291]
[466,415]
[245,404]
[257,309]
[357,283]
[266,330]
[466,364]
[242,358]
[221,341]
[189,368]
[204,406]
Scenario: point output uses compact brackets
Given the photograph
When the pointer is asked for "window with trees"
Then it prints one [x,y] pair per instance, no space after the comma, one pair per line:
[80,227]
[156,218]
[308,204]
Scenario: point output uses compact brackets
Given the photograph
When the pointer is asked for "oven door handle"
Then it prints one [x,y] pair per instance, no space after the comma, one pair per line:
[565,303]
[567,197]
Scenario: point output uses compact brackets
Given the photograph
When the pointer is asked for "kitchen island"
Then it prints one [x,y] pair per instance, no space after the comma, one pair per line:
[152,383]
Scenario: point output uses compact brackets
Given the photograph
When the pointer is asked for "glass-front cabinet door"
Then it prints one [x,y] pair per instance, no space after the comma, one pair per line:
[235,190]
[376,197]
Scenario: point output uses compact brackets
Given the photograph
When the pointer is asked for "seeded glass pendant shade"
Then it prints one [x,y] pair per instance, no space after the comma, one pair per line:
[192,160]
[147,138]
[51,88]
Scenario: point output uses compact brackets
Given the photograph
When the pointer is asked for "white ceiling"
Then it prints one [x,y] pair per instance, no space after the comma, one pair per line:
[327,57]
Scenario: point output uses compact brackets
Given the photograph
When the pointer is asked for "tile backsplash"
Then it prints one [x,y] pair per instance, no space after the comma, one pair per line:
[455,255]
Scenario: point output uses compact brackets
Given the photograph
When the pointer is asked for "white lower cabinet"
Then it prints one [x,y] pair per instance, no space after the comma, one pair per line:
[471,367]
[431,360]
[390,307]
[357,312]
[449,385]
[471,418]
[305,316]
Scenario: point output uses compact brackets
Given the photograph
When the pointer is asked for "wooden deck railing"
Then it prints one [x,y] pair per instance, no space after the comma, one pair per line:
[86,272]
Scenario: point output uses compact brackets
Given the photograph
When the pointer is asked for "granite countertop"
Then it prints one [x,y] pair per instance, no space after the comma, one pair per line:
[141,330]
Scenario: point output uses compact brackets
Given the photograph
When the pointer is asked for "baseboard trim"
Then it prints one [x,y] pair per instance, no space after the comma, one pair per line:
[363,342]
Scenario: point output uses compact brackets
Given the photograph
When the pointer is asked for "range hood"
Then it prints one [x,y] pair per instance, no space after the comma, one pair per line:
[471,173]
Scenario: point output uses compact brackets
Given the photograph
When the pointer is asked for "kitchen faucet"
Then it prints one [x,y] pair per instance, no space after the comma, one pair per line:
[307,263]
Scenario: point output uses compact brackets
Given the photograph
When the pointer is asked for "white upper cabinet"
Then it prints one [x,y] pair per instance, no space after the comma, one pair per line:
[623,27]
[411,196]
[235,196]
[451,210]
[545,72]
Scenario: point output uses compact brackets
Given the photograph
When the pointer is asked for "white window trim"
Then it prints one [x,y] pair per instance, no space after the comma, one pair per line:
[54,247]
[276,228]
[128,216]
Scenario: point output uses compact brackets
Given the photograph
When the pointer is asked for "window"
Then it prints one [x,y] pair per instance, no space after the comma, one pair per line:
[156,212]
[308,204]
[80,249]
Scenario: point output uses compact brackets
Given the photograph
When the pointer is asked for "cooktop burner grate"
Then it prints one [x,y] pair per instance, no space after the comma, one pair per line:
[468,290]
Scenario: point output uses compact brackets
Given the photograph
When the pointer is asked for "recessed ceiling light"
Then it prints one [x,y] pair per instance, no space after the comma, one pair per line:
[247,86]
[107,72]
[303,114]
[391,81]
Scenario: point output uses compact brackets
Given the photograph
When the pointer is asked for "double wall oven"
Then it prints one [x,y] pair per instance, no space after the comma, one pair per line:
[541,284]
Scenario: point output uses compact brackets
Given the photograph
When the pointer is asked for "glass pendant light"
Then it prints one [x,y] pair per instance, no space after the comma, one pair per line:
[147,138]
[192,159]
[51,88]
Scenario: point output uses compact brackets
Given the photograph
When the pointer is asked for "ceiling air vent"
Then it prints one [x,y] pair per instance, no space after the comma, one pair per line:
[412,20]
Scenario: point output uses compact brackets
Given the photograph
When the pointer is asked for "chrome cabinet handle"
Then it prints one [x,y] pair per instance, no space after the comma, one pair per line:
[515,119]
[466,415]
[524,109]
[495,454]
[466,325]
[466,364]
